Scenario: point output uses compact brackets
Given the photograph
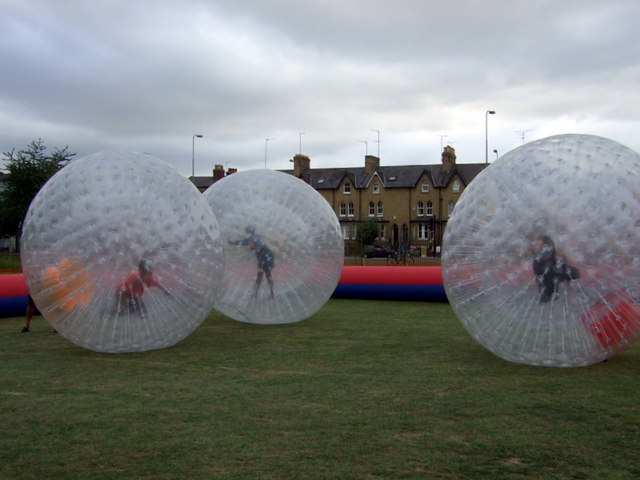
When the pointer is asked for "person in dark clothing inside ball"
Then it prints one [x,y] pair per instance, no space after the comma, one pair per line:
[264,256]
[549,270]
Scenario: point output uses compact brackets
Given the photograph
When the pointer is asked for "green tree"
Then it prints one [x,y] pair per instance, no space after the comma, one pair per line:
[28,170]
[367,232]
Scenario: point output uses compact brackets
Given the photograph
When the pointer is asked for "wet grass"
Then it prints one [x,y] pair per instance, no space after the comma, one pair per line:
[362,390]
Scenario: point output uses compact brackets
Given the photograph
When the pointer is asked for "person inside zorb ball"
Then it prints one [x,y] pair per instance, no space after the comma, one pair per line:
[541,256]
[121,253]
[283,251]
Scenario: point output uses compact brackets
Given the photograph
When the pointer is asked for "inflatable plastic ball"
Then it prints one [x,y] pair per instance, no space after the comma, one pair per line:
[121,253]
[283,247]
[541,256]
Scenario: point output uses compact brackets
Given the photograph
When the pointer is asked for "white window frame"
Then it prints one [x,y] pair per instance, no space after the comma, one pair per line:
[380,209]
[456,186]
[420,208]
[343,209]
[372,209]
[424,188]
[375,188]
[351,211]
[429,209]
[346,188]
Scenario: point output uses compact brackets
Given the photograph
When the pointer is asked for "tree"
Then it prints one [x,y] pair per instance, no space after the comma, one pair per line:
[28,170]
[367,232]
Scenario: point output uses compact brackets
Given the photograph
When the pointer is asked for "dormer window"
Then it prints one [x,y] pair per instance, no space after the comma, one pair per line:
[376,187]
[456,186]
[425,187]
[346,188]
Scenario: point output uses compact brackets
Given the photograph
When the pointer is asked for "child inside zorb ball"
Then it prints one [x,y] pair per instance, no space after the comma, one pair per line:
[293,247]
[121,253]
[541,256]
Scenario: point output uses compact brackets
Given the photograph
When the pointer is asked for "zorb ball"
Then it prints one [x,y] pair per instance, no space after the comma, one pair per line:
[121,253]
[283,247]
[541,256]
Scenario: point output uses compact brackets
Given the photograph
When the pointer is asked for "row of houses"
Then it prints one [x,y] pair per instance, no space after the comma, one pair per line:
[410,203]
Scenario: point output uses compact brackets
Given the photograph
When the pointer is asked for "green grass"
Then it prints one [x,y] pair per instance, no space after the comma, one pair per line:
[10,261]
[362,390]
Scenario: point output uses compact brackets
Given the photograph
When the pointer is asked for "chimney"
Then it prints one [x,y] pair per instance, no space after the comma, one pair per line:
[301,163]
[371,163]
[218,172]
[231,170]
[448,158]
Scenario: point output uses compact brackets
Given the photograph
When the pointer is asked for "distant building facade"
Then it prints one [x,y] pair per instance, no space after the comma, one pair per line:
[410,203]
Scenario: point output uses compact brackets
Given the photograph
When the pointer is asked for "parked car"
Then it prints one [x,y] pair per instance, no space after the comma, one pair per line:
[378,251]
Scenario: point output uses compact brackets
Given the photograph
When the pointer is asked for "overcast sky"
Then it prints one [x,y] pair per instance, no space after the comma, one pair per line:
[147,75]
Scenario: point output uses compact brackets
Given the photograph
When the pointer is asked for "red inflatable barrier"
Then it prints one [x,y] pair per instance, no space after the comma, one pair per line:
[13,285]
[400,275]
[13,295]
[391,283]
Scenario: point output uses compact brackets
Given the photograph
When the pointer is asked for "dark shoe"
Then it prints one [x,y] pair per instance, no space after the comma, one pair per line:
[25,330]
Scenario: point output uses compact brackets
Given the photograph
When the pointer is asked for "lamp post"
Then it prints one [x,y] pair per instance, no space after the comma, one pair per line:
[486,134]
[496,152]
[193,154]
[266,141]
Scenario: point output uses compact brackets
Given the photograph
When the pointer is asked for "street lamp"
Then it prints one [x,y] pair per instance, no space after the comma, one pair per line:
[496,152]
[193,154]
[266,141]
[486,134]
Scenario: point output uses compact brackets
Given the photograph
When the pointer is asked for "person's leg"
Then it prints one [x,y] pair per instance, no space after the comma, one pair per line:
[258,282]
[270,280]
[31,308]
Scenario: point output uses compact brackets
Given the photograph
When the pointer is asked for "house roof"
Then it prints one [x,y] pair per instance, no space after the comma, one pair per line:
[396,176]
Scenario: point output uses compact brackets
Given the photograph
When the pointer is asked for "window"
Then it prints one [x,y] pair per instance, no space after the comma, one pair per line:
[420,209]
[352,211]
[372,209]
[382,232]
[346,188]
[343,209]
[376,187]
[380,209]
[423,231]
[451,207]
[425,187]
[430,208]
[456,186]
[345,232]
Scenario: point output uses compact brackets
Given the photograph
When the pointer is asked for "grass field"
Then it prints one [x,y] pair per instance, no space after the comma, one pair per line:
[362,390]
